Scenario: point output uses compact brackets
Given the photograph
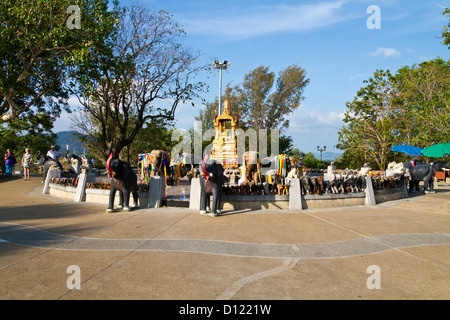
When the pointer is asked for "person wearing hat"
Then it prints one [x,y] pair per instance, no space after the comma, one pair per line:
[53,154]
[26,164]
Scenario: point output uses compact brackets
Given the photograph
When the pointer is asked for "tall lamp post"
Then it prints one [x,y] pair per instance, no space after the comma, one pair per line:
[221,66]
[321,150]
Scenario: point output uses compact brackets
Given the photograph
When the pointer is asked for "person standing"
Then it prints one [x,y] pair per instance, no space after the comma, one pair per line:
[26,164]
[10,161]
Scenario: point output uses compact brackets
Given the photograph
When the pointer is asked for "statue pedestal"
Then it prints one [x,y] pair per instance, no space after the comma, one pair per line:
[83,179]
[295,194]
[156,192]
[52,173]
[197,189]
[330,173]
[370,195]
[405,187]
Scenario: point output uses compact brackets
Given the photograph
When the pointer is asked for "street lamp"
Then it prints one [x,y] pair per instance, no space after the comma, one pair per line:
[221,66]
[321,150]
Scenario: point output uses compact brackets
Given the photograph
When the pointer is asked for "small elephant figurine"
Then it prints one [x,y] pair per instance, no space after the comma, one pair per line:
[123,179]
[214,179]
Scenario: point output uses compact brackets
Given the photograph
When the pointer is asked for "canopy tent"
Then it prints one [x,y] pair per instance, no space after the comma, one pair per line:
[437,150]
[409,150]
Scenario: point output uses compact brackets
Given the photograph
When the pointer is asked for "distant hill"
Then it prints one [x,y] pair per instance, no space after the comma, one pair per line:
[327,156]
[69,139]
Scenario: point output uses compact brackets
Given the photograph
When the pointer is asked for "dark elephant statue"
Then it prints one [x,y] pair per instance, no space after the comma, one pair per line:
[425,173]
[214,178]
[123,179]
[411,164]
[47,162]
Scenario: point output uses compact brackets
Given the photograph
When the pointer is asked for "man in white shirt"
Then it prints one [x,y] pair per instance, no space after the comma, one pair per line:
[53,154]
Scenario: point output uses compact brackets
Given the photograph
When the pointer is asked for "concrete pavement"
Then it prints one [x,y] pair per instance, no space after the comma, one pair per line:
[175,253]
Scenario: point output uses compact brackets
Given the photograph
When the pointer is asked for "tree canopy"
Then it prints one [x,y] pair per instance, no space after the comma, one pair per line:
[424,100]
[32,131]
[411,107]
[39,46]
[370,117]
[262,100]
[446,31]
[144,77]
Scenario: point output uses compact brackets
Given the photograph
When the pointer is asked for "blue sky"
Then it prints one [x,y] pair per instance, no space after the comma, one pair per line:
[329,39]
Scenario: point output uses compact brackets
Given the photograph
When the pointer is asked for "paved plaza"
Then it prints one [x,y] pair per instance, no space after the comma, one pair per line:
[394,250]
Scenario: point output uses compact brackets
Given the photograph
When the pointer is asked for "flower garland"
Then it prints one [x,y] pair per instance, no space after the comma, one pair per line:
[146,166]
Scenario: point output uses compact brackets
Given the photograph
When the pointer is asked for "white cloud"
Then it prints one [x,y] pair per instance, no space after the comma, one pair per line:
[310,122]
[311,128]
[269,19]
[386,52]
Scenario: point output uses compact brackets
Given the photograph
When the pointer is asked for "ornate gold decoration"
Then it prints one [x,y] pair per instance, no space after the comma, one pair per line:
[224,144]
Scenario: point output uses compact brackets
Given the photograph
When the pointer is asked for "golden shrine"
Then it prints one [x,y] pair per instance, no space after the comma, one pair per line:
[224,145]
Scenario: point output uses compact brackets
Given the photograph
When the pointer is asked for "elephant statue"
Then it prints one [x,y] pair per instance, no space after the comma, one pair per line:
[278,166]
[251,166]
[123,179]
[183,165]
[48,163]
[425,173]
[160,162]
[438,165]
[411,164]
[187,160]
[75,167]
[214,178]
[156,163]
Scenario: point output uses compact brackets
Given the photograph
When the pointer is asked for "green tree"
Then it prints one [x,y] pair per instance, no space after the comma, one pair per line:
[353,159]
[262,100]
[145,76]
[38,51]
[446,31]
[206,116]
[370,120]
[32,131]
[155,135]
[424,99]
[286,144]
[312,162]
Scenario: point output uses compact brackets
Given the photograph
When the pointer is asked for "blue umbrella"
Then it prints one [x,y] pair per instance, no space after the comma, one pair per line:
[410,150]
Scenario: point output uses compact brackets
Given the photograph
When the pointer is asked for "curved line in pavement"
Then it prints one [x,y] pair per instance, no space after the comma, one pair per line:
[33,237]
